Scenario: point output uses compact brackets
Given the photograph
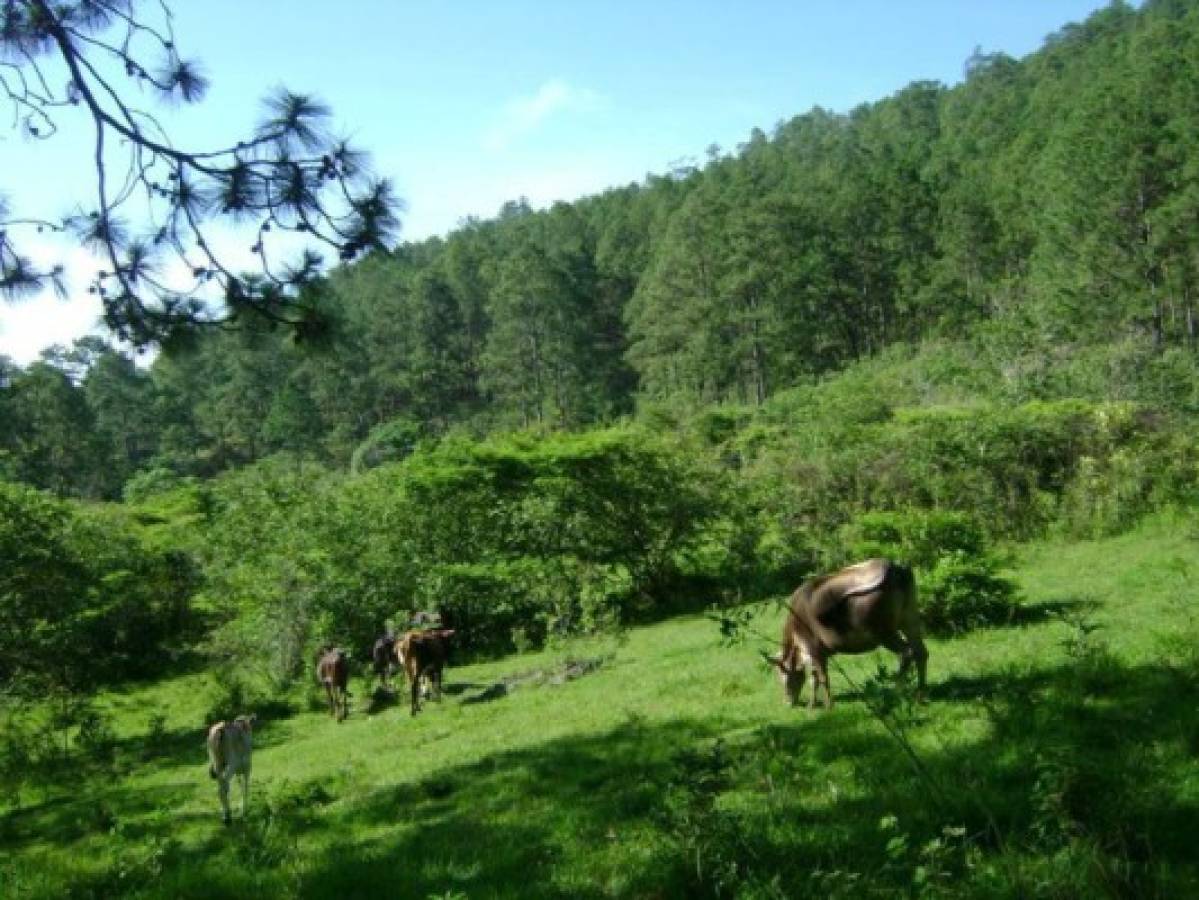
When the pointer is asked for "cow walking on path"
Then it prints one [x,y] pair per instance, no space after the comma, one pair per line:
[423,655]
[857,609]
[333,671]
[383,658]
[230,746]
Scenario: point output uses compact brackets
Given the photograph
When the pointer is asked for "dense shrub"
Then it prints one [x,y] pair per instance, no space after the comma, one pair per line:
[138,600]
[82,597]
[497,606]
[389,442]
[1019,471]
[918,537]
[269,541]
[956,572]
[536,535]
[961,592]
[573,530]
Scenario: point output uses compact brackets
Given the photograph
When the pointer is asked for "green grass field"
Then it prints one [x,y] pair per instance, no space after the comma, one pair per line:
[1055,757]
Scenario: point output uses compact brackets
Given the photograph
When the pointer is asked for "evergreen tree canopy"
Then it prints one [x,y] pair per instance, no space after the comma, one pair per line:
[290,175]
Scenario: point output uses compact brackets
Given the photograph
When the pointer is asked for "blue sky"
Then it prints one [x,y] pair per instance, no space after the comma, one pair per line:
[468,104]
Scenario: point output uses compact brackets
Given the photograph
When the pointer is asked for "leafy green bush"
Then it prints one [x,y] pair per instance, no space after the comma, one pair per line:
[496,606]
[232,693]
[149,482]
[956,571]
[919,537]
[547,535]
[391,441]
[1021,471]
[138,600]
[1110,492]
[961,592]
[82,597]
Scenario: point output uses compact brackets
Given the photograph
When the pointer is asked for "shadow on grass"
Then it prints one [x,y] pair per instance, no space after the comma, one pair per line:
[1072,788]
[1052,610]
[381,699]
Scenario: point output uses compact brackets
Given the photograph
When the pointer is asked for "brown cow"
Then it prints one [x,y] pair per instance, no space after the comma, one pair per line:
[383,657]
[333,671]
[855,610]
[423,655]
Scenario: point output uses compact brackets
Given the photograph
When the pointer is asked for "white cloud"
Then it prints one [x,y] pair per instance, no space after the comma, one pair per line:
[524,115]
[29,326]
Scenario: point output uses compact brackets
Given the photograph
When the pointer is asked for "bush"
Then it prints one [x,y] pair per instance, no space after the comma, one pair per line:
[391,441]
[150,482]
[1097,467]
[231,694]
[961,592]
[919,537]
[496,607]
[955,569]
[555,534]
[82,596]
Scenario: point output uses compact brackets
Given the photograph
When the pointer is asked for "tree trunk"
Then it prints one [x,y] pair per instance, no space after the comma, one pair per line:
[1190,317]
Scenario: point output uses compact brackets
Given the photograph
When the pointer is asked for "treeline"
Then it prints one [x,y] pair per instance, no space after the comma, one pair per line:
[519,540]
[1041,205]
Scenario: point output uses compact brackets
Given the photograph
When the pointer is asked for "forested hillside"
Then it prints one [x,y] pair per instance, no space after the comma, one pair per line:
[1039,210]
[955,327]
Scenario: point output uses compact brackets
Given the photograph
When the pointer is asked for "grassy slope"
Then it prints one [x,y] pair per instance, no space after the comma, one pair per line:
[675,768]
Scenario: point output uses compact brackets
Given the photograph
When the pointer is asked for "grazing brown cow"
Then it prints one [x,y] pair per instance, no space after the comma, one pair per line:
[333,671]
[855,610]
[423,655]
[383,657]
[229,748]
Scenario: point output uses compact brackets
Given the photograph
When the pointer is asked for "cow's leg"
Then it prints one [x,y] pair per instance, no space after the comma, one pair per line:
[329,695]
[804,662]
[917,652]
[900,647]
[222,786]
[435,678]
[920,654]
[245,791]
[794,683]
[820,677]
[415,679]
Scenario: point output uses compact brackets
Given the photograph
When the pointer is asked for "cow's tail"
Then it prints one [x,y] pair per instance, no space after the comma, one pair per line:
[216,760]
[904,580]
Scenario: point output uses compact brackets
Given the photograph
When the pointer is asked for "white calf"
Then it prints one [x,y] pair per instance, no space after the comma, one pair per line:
[229,747]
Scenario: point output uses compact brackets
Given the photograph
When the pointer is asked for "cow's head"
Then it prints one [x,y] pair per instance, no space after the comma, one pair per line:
[791,668]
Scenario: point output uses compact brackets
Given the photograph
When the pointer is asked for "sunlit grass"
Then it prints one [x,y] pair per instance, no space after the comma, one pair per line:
[593,787]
